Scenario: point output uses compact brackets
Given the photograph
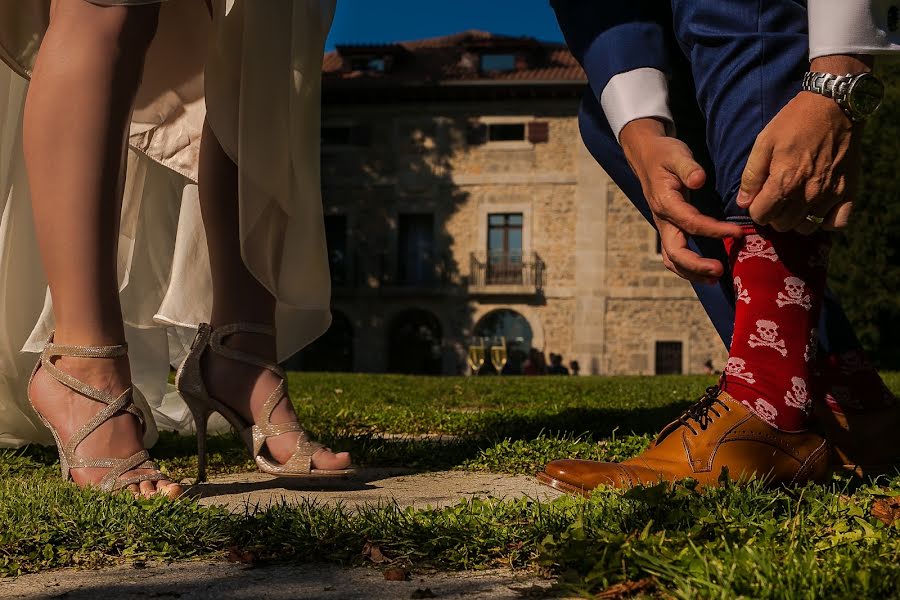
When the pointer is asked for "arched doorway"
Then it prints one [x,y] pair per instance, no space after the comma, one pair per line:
[414,343]
[517,331]
[333,352]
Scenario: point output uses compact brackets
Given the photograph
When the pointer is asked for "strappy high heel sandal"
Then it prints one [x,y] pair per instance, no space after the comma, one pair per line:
[68,459]
[189,381]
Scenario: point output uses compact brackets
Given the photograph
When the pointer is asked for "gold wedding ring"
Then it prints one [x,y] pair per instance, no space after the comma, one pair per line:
[815,219]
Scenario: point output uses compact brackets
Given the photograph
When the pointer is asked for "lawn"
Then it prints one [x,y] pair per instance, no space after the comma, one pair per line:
[821,541]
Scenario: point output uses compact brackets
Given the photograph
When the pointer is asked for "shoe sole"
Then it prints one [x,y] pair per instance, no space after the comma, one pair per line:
[562,486]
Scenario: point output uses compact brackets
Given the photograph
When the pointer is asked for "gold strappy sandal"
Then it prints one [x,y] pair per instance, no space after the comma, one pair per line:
[189,381]
[68,459]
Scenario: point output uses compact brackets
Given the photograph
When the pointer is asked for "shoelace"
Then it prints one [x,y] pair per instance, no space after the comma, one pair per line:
[701,412]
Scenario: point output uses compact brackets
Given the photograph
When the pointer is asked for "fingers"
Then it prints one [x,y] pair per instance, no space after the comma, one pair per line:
[756,172]
[839,217]
[686,217]
[683,261]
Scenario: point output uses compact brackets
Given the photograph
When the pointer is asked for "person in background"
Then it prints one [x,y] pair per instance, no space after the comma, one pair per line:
[535,363]
[556,365]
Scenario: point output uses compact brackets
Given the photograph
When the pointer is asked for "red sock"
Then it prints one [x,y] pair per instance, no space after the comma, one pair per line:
[852,385]
[779,281]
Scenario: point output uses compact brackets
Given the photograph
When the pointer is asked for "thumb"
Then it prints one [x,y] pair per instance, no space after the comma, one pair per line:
[755,172]
[688,171]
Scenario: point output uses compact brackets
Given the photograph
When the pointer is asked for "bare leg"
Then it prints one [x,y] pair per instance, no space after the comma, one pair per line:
[76,118]
[239,296]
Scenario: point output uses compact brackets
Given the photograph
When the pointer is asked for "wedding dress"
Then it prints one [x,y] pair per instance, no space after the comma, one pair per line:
[254,70]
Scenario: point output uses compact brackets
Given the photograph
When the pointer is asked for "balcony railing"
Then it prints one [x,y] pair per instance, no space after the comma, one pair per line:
[506,273]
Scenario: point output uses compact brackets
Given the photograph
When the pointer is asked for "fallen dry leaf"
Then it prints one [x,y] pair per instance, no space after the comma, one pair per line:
[886,510]
[396,574]
[373,552]
[626,589]
[235,554]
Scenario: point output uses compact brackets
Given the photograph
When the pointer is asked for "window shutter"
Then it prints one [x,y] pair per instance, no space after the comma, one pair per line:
[538,132]
[477,133]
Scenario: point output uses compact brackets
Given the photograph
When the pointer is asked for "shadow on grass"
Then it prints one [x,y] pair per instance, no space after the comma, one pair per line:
[227,455]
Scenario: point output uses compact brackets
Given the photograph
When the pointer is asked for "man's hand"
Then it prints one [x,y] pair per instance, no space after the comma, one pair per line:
[806,160]
[667,172]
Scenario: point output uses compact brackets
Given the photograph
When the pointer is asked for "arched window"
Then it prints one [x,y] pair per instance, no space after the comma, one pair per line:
[515,328]
[414,345]
[332,352]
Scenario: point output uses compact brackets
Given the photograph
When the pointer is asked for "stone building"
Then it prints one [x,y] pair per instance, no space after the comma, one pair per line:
[460,201]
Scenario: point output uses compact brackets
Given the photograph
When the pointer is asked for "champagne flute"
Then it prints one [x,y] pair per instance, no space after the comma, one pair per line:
[499,355]
[476,354]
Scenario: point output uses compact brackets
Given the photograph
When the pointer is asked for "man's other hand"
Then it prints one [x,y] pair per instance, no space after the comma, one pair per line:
[667,171]
[805,161]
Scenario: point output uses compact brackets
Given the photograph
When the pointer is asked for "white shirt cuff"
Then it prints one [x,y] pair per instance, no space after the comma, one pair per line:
[636,94]
[853,27]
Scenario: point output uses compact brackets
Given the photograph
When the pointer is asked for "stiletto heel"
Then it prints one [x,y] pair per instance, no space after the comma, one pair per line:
[189,381]
[68,459]
[201,420]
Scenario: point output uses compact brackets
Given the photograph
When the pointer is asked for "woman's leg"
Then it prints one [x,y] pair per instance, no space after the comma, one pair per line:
[76,121]
[239,297]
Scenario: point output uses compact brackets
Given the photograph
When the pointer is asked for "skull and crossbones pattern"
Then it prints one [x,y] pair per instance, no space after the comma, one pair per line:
[735,368]
[741,293]
[794,293]
[765,411]
[797,396]
[766,336]
[755,246]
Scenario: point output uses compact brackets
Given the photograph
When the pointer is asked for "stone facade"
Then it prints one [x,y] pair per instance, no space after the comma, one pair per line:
[604,298]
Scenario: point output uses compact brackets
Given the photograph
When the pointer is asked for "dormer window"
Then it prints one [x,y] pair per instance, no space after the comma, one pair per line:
[367,63]
[497,63]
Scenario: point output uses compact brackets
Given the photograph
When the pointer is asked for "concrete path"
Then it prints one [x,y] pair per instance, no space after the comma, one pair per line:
[369,486]
[225,581]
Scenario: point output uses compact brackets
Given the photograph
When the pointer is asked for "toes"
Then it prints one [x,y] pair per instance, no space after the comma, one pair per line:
[134,489]
[326,459]
[168,489]
[148,488]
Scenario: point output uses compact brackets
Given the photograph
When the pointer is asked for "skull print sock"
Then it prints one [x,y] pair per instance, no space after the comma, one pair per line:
[779,281]
[852,385]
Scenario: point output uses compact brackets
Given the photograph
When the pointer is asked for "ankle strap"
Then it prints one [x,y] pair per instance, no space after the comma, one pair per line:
[217,339]
[51,350]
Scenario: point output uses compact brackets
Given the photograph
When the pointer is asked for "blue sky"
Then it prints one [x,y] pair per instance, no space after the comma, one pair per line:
[372,21]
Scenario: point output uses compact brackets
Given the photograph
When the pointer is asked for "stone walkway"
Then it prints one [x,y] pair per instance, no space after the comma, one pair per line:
[368,486]
[219,580]
[209,580]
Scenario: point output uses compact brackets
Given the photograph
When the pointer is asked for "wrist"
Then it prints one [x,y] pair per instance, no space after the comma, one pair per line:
[842,64]
[637,132]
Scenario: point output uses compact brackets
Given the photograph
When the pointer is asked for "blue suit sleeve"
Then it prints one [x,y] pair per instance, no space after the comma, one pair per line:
[609,38]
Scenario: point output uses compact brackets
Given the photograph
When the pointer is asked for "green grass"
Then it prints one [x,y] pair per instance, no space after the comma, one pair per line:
[815,542]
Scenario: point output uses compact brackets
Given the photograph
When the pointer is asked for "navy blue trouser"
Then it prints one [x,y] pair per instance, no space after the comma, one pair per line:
[744,62]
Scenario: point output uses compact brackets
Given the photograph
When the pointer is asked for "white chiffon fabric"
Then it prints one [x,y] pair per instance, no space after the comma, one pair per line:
[255,69]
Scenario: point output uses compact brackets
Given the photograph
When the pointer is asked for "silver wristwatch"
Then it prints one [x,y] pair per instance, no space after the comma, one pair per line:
[858,95]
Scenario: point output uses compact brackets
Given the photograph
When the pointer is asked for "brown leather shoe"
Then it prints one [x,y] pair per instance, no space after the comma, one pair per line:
[864,444]
[716,433]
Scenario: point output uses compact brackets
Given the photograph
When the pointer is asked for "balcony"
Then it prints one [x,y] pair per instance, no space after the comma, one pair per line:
[506,274]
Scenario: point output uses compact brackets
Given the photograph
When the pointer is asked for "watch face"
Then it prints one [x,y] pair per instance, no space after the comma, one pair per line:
[865,95]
